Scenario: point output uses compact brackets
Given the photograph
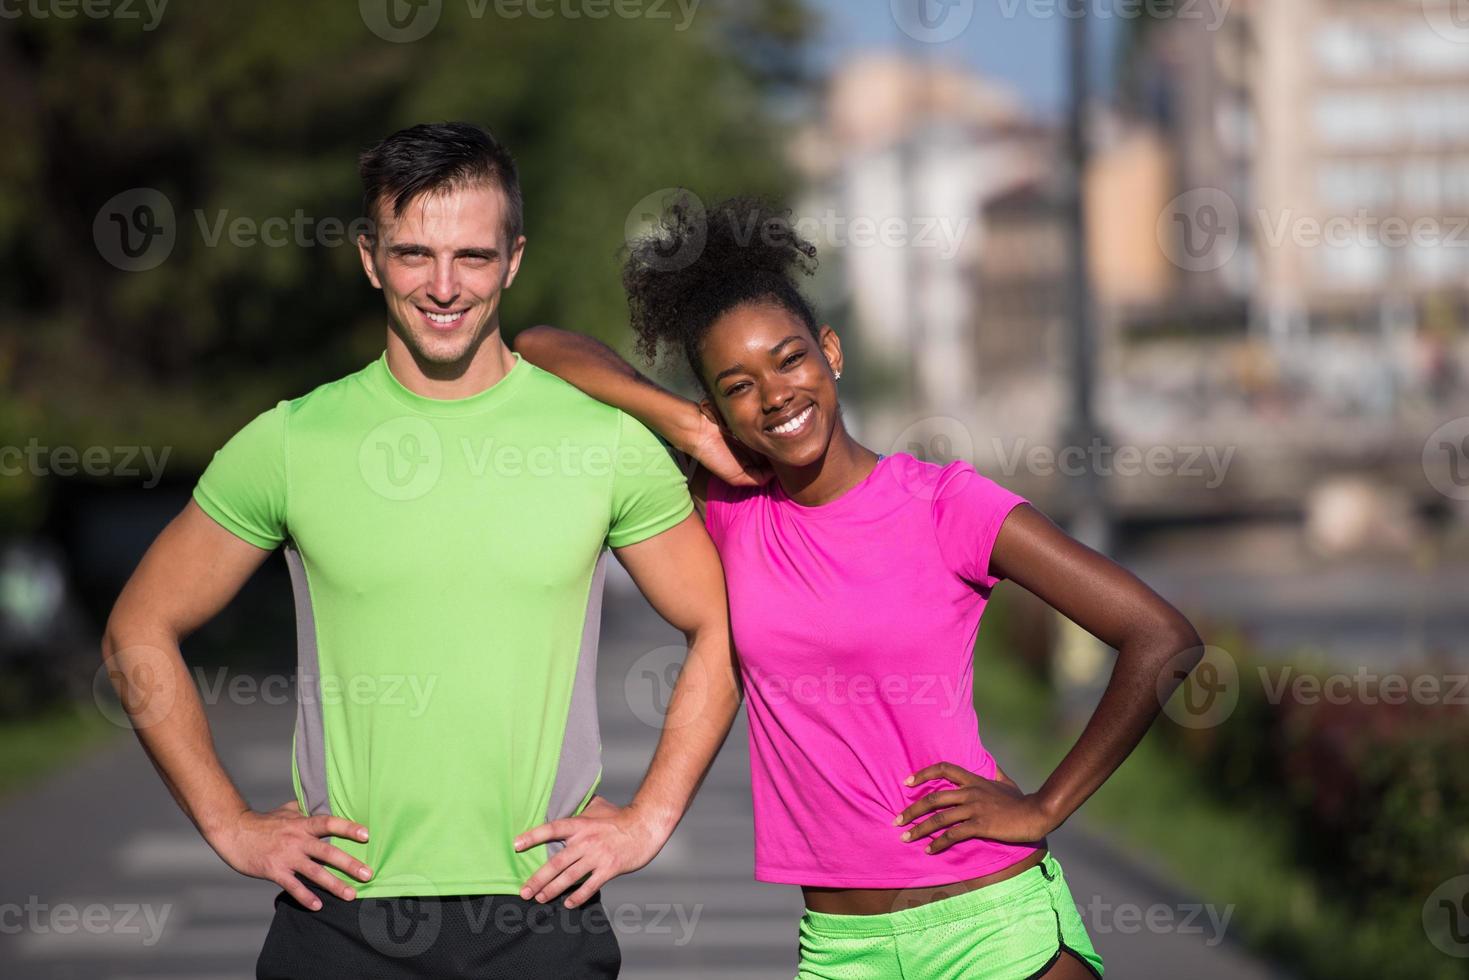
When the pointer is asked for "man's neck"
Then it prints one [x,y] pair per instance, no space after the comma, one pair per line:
[482,367]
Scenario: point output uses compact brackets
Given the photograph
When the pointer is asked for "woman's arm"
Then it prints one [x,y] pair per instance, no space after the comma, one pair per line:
[1151,638]
[597,370]
[691,428]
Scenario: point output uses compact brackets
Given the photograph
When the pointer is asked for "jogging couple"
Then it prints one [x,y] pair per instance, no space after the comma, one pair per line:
[445,513]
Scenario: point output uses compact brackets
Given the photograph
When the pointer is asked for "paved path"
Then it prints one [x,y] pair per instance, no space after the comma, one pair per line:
[108,880]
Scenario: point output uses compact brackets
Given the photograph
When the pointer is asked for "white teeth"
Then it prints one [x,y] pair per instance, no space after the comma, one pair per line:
[445,318]
[794,423]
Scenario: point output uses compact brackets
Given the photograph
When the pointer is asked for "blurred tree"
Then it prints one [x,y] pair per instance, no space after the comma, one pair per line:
[237,112]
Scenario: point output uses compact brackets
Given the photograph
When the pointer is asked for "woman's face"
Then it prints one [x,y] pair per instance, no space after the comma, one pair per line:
[772,382]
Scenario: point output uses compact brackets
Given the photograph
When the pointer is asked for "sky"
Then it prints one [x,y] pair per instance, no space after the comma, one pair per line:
[1019,42]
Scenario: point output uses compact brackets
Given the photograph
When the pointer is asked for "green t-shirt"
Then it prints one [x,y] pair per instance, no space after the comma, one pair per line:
[447,558]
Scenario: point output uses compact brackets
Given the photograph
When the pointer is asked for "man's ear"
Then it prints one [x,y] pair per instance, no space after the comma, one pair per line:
[516,254]
[365,248]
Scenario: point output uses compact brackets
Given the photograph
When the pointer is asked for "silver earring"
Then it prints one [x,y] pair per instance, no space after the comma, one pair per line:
[839,375]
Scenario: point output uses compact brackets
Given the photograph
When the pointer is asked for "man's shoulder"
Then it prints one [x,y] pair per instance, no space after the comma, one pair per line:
[555,398]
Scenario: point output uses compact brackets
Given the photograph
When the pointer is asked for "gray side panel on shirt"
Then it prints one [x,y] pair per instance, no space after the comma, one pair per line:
[580,764]
[310,731]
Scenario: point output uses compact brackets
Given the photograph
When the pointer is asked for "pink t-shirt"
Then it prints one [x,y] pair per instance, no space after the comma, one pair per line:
[855,624]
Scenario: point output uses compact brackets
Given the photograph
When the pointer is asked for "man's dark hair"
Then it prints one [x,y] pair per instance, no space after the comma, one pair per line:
[435,157]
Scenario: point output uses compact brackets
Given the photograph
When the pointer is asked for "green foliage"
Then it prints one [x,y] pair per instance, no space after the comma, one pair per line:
[241,109]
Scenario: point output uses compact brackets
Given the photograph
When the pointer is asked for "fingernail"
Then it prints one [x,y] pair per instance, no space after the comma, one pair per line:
[909,781]
[928,849]
[571,905]
[362,834]
[898,820]
[364,873]
[525,893]
[315,905]
[351,894]
[907,835]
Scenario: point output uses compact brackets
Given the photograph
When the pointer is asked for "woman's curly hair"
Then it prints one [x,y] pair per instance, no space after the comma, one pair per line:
[695,265]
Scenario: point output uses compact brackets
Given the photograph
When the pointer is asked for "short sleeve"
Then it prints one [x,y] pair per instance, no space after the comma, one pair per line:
[968,509]
[649,494]
[244,486]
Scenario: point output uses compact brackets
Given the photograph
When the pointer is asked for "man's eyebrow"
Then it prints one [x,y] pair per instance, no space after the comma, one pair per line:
[405,248]
[738,367]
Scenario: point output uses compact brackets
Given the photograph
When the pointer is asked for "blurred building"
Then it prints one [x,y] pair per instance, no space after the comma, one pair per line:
[1339,131]
[912,152]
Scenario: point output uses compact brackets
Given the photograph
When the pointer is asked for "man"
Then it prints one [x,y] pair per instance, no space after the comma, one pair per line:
[443,512]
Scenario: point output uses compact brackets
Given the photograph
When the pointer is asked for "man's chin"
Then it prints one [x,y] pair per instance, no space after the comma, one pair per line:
[440,351]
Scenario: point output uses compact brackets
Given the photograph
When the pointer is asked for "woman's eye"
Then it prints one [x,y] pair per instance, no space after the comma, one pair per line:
[736,389]
[793,358]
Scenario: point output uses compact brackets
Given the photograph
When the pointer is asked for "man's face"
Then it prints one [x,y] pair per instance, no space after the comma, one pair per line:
[442,266]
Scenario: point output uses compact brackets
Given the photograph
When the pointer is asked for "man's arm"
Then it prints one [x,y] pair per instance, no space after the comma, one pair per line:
[690,427]
[191,572]
[679,573]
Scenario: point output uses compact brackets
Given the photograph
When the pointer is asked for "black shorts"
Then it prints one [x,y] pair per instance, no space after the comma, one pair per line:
[494,937]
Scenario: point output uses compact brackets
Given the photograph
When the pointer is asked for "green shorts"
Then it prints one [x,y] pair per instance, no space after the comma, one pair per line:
[1011,930]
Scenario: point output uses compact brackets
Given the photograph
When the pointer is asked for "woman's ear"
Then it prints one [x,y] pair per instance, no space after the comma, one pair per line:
[711,413]
[831,346]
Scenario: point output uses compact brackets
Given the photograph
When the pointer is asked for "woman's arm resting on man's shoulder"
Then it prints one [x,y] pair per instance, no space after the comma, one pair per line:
[690,428]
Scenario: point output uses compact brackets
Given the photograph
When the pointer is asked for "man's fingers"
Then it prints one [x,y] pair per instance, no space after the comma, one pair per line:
[325,879]
[563,881]
[547,871]
[338,858]
[325,825]
[555,830]
[293,887]
[589,888]
[930,802]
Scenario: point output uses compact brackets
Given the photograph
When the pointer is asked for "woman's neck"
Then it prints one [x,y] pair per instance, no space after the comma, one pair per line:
[845,464]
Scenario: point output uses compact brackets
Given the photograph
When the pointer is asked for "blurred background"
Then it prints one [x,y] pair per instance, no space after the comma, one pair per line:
[1191,275]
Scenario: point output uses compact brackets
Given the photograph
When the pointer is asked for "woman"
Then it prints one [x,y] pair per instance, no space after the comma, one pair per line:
[856,585]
